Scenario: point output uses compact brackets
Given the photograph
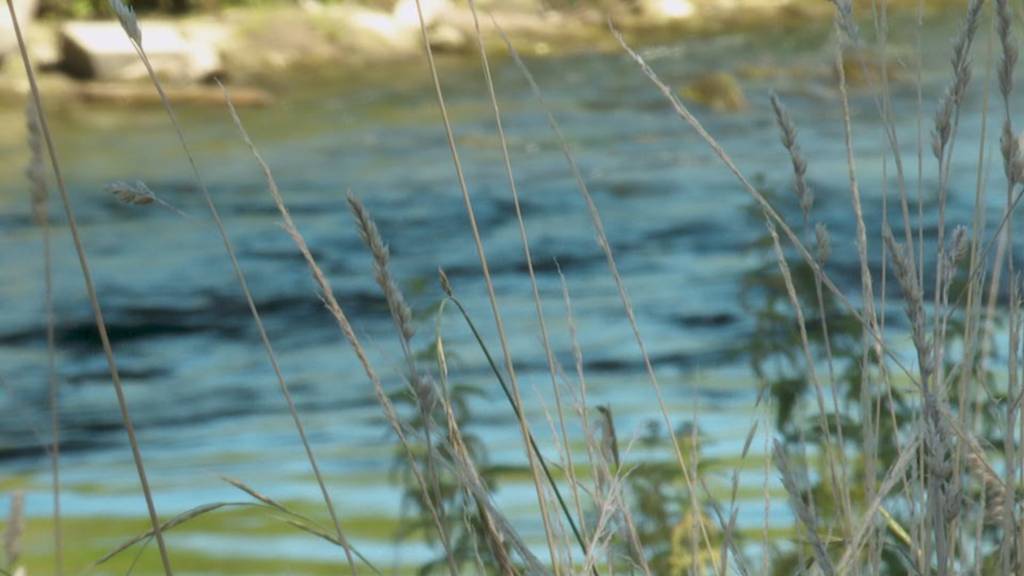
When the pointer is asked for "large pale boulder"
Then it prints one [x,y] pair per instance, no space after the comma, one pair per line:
[26,11]
[665,10]
[102,51]
[405,12]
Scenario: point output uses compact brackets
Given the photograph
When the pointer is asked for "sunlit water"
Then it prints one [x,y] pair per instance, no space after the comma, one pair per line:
[199,384]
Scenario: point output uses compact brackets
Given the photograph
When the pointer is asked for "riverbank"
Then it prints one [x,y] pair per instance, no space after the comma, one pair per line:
[253,47]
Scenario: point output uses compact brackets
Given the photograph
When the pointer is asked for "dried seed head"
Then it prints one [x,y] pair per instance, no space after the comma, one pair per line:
[134,193]
[442,359]
[956,91]
[953,255]
[1017,170]
[788,136]
[35,172]
[382,267]
[912,294]
[794,482]
[958,246]
[844,17]
[824,243]
[129,22]
[1010,147]
[995,494]
[1010,55]
[446,285]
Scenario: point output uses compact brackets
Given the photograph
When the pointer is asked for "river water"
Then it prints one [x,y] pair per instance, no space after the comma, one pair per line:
[199,385]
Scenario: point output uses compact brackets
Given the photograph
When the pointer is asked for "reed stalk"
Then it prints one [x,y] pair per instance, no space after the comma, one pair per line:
[524,426]
[36,173]
[528,257]
[90,288]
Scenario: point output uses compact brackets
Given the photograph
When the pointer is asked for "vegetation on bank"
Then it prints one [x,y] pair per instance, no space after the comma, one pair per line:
[101,8]
[892,463]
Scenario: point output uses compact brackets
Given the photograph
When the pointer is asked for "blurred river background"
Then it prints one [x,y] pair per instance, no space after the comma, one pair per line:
[199,385]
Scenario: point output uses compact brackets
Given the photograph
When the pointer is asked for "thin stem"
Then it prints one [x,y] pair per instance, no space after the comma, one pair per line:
[545,339]
[285,392]
[492,297]
[517,410]
[90,289]
[602,240]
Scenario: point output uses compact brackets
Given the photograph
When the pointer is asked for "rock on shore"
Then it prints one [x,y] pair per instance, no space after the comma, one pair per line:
[259,43]
[26,10]
[102,51]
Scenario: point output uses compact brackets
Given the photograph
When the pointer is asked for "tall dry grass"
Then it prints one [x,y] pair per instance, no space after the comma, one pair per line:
[919,459]
[90,288]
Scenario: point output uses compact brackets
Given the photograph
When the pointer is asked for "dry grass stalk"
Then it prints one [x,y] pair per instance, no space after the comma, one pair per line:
[166,526]
[500,537]
[292,230]
[602,241]
[804,195]
[581,406]
[368,231]
[599,463]
[256,494]
[994,494]
[134,193]
[131,28]
[137,193]
[36,174]
[907,454]
[609,464]
[126,15]
[524,238]
[90,288]
[946,122]
[800,500]
[289,517]
[684,113]
[1012,163]
[913,297]
[524,427]
[516,408]
[837,483]
[422,390]
[844,18]
[15,530]
[297,520]
[1009,539]
[942,502]
[493,537]
[949,105]
[975,287]
[823,246]
[327,295]
[871,327]
[788,136]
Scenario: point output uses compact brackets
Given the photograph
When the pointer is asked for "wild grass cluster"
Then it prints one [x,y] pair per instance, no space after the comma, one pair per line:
[893,462]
